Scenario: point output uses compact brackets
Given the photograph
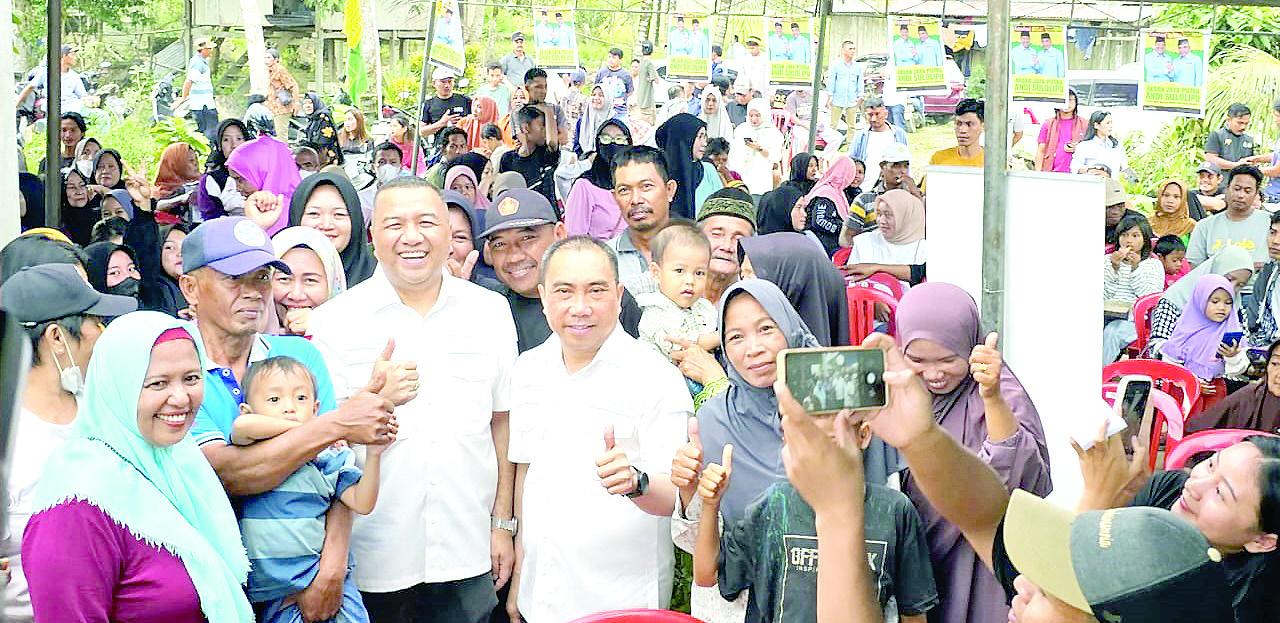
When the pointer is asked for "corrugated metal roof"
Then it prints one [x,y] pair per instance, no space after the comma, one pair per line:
[1126,12]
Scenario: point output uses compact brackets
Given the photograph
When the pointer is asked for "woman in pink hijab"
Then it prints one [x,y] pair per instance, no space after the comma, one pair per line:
[265,164]
[825,208]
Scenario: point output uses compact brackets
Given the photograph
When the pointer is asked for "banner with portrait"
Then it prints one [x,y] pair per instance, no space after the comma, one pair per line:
[788,42]
[555,38]
[916,54]
[1174,70]
[689,48]
[1038,62]
[446,43]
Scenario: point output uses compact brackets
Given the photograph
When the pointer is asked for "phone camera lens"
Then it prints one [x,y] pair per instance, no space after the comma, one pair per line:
[871,378]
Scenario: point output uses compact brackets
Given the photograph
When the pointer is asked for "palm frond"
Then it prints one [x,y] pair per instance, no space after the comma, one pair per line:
[1248,76]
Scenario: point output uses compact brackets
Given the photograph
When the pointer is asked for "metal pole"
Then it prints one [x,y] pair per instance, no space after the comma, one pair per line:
[53,118]
[190,11]
[422,91]
[824,10]
[995,163]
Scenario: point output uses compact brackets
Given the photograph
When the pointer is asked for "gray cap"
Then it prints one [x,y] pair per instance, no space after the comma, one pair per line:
[516,208]
[1210,167]
[47,292]
[517,36]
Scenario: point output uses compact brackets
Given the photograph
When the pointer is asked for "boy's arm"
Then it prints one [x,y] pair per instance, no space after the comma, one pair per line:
[251,427]
[706,552]
[362,496]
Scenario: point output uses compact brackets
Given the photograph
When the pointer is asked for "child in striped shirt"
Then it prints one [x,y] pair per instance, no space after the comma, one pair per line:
[284,528]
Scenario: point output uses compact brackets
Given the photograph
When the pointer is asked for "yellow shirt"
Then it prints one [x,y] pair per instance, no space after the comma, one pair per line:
[952,157]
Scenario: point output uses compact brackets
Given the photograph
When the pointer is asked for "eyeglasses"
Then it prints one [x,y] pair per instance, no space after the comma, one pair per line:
[605,139]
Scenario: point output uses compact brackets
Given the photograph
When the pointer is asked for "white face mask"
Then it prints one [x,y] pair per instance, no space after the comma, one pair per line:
[387,172]
[85,167]
[71,378]
[305,174]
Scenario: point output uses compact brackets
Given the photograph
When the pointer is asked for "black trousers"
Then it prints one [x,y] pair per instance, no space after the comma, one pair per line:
[460,601]
[207,123]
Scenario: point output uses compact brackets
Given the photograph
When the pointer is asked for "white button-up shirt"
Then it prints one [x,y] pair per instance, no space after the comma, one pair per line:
[440,476]
[586,550]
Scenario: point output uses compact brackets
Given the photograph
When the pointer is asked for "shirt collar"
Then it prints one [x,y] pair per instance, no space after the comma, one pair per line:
[383,295]
[625,245]
[257,351]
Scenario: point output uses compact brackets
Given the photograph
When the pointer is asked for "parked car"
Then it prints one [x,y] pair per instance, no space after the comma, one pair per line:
[1113,90]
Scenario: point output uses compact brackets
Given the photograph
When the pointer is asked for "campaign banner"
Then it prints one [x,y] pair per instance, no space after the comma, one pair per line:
[916,54]
[1174,66]
[555,38]
[788,43]
[689,48]
[447,44]
[1038,63]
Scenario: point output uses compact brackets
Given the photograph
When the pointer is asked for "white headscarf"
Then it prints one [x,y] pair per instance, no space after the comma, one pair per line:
[311,238]
[718,125]
[592,119]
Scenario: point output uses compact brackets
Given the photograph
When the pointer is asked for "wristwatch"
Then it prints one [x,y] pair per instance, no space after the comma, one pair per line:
[509,525]
[642,483]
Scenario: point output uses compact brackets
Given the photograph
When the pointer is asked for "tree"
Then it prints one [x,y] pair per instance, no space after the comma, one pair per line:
[256,43]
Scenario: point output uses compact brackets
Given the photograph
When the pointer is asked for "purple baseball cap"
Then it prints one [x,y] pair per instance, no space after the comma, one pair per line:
[231,245]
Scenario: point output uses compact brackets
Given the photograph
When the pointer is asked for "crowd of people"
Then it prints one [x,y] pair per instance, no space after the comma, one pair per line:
[538,346]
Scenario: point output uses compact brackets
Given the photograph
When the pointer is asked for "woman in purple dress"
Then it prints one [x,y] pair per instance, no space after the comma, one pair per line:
[130,523]
[977,400]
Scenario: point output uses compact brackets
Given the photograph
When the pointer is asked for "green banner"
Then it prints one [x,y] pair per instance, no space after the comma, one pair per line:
[555,38]
[1038,89]
[688,68]
[919,78]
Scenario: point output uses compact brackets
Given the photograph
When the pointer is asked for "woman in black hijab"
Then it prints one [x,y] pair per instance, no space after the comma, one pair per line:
[683,139]
[320,129]
[352,245]
[216,187]
[774,214]
[797,264]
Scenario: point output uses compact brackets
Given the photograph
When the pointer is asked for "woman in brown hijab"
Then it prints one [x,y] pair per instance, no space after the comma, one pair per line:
[1171,215]
[1255,406]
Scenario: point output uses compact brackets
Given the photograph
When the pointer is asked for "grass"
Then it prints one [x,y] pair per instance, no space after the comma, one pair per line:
[925,141]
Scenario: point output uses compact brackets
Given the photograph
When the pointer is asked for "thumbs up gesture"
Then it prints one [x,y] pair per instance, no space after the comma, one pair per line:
[715,479]
[985,364]
[400,378]
[613,467]
[687,464]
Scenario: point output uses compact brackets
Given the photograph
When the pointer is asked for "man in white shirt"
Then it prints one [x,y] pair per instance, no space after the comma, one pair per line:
[424,553]
[73,91]
[870,143]
[592,540]
[197,91]
[755,67]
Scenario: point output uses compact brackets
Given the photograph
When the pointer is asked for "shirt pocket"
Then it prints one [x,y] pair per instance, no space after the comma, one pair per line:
[462,403]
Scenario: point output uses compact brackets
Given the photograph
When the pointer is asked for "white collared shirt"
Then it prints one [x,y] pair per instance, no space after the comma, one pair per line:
[586,550]
[439,478]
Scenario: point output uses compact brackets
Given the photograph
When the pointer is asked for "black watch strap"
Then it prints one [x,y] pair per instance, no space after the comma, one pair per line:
[642,483]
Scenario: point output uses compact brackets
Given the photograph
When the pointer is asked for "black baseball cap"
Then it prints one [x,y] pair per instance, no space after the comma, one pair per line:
[47,292]
[516,208]
[1135,564]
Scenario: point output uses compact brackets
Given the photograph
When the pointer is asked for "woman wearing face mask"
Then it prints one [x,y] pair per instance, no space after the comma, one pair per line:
[217,194]
[129,518]
[86,150]
[315,277]
[590,208]
[328,203]
[599,110]
[265,164]
[141,237]
[776,205]
[978,401]
[60,347]
[757,147]
[683,138]
[113,269]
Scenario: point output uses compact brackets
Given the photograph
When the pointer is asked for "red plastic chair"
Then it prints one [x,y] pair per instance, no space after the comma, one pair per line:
[1167,376]
[1204,441]
[862,311]
[1142,321]
[883,282]
[638,615]
[1167,414]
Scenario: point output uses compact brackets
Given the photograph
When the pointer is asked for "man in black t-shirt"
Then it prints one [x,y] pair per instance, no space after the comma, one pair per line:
[446,107]
[538,156]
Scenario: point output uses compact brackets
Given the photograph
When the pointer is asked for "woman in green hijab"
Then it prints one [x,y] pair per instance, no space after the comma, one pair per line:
[130,523]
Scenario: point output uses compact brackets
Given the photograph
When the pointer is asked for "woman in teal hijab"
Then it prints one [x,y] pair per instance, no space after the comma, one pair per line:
[130,521]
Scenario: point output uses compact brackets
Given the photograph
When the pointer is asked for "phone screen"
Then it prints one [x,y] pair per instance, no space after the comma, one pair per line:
[827,380]
[1133,407]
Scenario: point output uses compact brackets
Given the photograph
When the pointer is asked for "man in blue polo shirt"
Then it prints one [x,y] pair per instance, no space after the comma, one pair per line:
[227,264]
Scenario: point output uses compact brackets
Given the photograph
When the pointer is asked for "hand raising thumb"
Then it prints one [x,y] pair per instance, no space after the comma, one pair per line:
[387,351]
[694,437]
[726,458]
[608,437]
[376,382]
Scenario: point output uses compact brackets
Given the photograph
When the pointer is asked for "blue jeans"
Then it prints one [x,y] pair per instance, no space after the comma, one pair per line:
[898,115]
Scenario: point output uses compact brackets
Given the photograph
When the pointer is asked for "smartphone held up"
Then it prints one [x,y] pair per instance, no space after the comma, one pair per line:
[829,380]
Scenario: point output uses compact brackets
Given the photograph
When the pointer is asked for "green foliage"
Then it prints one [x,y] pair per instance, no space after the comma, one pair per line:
[131,137]
[179,130]
[682,581]
[976,85]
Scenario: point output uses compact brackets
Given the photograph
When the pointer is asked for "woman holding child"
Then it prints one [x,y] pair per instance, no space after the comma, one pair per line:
[130,521]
